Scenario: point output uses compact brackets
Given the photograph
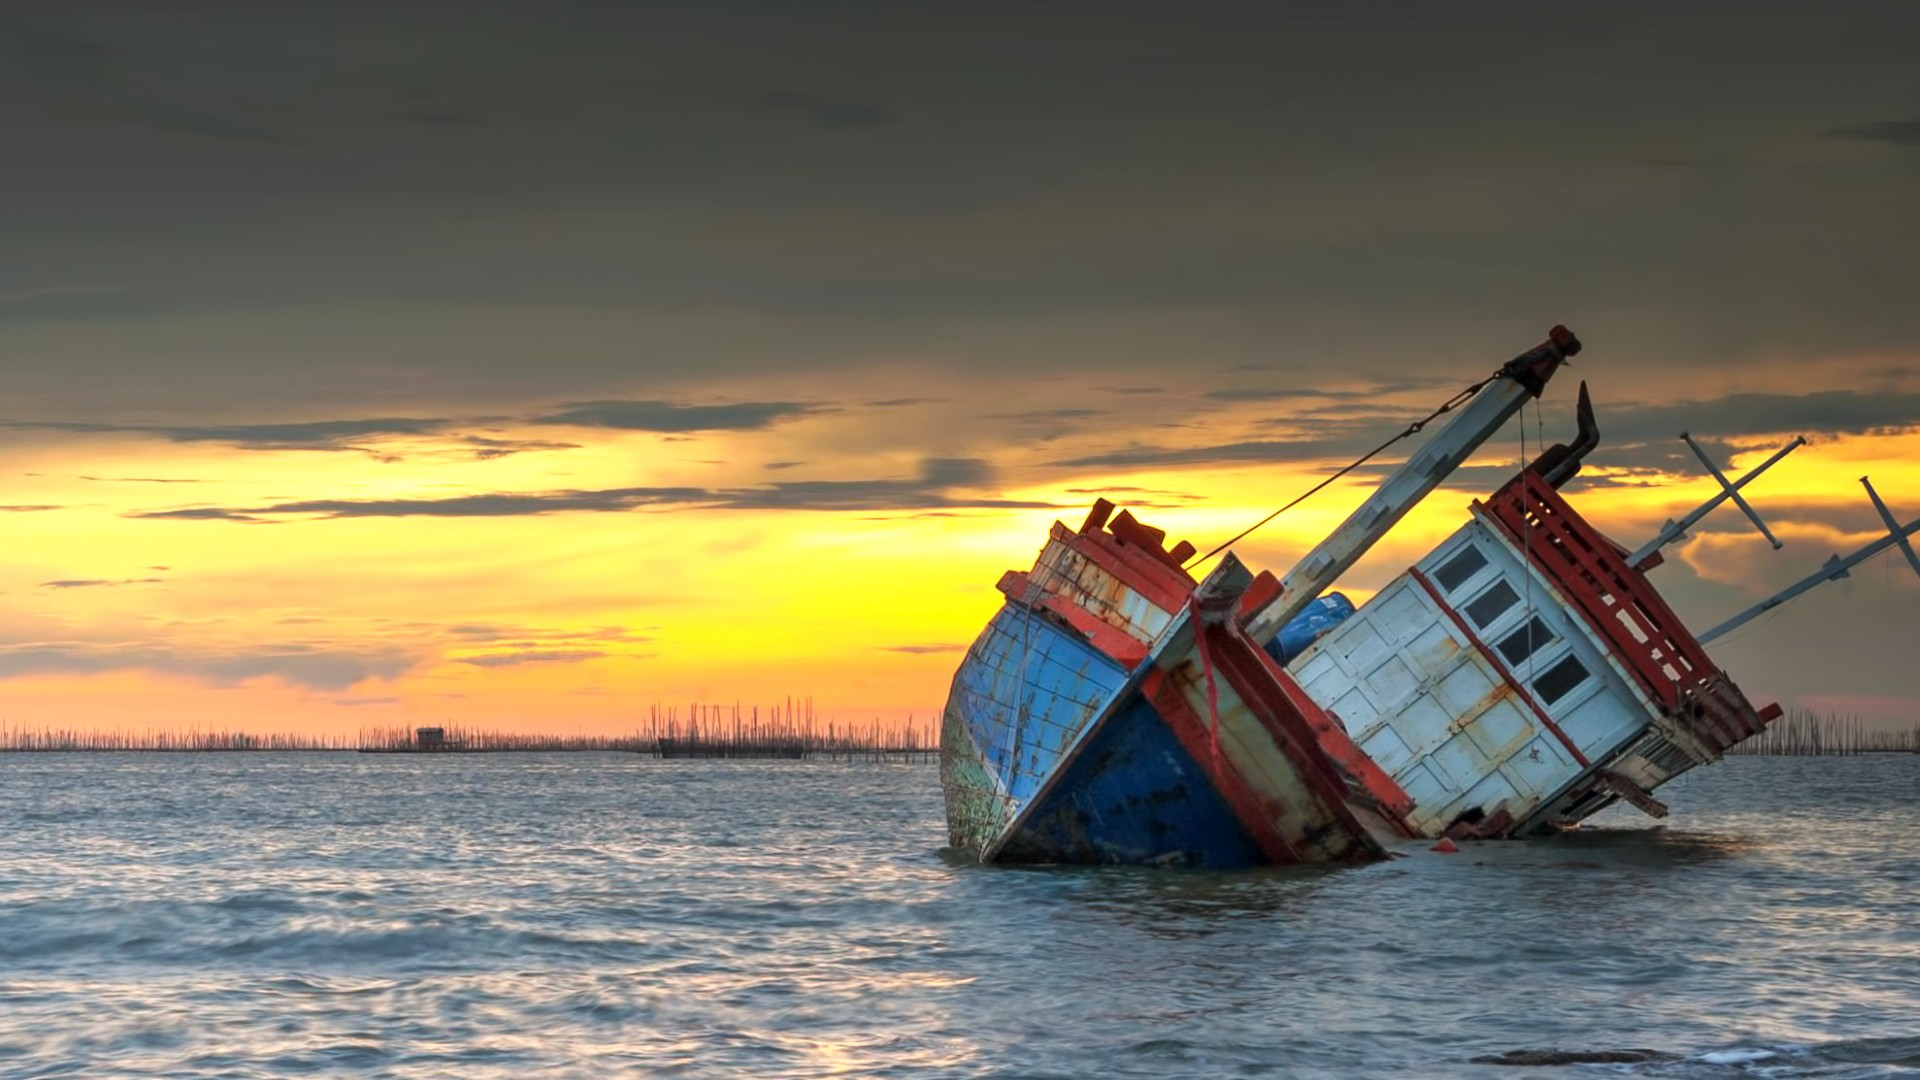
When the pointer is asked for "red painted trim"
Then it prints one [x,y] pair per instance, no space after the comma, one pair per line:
[1269,703]
[1264,589]
[1393,801]
[1269,697]
[1118,645]
[1499,666]
[1163,586]
[1192,733]
[1592,570]
[1246,668]
[1097,515]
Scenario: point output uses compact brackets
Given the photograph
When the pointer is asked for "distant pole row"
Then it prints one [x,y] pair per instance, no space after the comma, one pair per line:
[1803,734]
[790,729]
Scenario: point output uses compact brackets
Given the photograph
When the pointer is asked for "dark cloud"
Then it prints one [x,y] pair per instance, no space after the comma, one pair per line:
[924,650]
[311,435]
[83,583]
[141,480]
[928,492]
[1286,394]
[778,465]
[487,448]
[1897,132]
[533,637]
[955,472]
[310,666]
[28,508]
[1217,454]
[669,417]
[1139,496]
[498,505]
[1042,415]
[329,435]
[534,656]
[1631,435]
[1823,412]
[199,513]
[861,495]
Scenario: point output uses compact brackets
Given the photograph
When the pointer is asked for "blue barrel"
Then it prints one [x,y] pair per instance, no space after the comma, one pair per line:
[1309,626]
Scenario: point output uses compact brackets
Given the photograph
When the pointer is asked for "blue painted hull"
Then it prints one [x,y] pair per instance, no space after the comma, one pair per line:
[1132,795]
[1024,693]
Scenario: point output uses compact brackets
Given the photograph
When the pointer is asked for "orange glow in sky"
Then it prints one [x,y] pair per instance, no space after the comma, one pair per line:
[302,619]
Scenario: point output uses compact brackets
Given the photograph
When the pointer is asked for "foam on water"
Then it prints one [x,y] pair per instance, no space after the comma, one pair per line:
[589,915]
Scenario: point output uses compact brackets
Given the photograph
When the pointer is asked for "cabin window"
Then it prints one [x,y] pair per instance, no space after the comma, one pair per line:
[1455,571]
[1492,604]
[1524,642]
[1560,679]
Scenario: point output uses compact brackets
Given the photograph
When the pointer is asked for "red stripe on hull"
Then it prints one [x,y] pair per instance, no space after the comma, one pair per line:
[1269,697]
[1334,741]
[1196,737]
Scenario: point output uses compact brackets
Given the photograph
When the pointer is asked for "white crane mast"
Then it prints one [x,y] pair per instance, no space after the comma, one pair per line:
[1523,377]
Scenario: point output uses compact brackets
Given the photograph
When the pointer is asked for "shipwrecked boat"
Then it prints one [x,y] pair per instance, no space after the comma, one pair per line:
[1519,678]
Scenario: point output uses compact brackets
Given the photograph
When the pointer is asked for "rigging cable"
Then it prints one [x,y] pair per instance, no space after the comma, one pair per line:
[1412,429]
[1526,519]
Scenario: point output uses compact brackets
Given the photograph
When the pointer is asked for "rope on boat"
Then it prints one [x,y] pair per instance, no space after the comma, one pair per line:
[1412,429]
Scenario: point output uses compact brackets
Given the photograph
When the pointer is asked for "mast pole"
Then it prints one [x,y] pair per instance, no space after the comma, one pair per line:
[1523,377]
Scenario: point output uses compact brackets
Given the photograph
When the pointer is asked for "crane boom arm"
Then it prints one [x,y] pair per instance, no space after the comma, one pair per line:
[1523,377]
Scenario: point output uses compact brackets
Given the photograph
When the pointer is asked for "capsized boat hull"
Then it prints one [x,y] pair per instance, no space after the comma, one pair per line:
[1103,717]
[1520,677]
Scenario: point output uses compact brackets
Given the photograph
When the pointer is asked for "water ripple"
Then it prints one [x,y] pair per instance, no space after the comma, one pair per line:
[593,915]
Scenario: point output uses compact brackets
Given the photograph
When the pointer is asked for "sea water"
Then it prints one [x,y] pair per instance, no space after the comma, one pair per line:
[257,914]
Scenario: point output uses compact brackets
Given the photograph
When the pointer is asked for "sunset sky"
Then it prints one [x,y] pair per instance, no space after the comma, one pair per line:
[524,366]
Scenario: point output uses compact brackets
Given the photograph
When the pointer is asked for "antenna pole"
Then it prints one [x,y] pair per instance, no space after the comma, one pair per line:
[1893,530]
[1834,569]
[1674,530]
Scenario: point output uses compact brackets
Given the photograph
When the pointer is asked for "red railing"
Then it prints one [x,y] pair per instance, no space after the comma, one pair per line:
[1619,603]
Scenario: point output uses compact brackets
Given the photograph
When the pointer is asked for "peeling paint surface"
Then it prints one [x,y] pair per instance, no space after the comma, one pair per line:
[1022,694]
